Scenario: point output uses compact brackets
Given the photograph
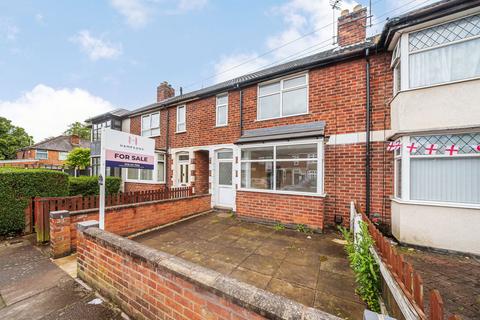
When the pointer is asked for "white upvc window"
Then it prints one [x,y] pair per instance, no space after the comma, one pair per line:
[440,54]
[151,125]
[62,156]
[181,118]
[157,175]
[222,110]
[41,154]
[283,167]
[430,174]
[283,98]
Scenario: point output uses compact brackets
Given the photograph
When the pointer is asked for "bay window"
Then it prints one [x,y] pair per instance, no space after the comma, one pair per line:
[151,125]
[157,175]
[431,174]
[439,54]
[283,98]
[282,167]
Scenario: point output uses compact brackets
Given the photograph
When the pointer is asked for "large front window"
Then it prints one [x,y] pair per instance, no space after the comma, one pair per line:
[282,98]
[282,167]
[440,54]
[144,175]
[41,154]
[441,168]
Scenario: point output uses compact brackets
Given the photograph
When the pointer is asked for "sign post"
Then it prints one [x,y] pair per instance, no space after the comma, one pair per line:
[122,150]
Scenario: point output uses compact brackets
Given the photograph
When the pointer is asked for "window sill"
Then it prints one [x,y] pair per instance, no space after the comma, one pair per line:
[437,204]
[221,125]
[178,132]
[282,117]
[144,181]
[158,135]
[296,193]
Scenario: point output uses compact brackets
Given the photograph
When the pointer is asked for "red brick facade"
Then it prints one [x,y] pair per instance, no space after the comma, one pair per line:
[138,186]
[124,220]
[337,96]
[284,208]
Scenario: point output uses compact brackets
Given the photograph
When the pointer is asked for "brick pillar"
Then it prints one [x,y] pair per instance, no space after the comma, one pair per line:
[82,226]
[60,240]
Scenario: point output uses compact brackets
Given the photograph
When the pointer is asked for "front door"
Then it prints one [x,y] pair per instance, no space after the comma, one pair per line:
[183,175]
[225,193]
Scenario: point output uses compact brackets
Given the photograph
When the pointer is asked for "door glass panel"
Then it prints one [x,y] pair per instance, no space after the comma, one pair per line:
[225,173]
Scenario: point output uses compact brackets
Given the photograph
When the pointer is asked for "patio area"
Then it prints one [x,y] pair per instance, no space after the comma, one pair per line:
[309,268]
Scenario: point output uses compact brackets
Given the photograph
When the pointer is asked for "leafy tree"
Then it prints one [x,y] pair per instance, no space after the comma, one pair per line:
[78,158]
[12,138]
[80,129]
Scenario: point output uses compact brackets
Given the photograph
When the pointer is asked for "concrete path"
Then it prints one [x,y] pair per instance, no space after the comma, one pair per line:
[33,287]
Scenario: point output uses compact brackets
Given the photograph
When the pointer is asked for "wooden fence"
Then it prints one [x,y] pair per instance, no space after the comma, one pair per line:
[43,206]
[406,277]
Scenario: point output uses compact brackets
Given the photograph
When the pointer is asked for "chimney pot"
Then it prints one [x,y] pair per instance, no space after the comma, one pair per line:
[358,7]
[75,140]
[164,91]
[344,12]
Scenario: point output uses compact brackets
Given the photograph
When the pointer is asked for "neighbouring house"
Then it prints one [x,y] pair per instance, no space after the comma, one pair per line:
[116,120]
[50,153]
[295,143]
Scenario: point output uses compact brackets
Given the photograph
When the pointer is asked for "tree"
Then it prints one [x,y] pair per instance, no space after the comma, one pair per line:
[78,158]
[80,129]
[12,138]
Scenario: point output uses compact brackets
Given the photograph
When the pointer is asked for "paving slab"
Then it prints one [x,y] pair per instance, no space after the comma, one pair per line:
[309,268]
[33,287]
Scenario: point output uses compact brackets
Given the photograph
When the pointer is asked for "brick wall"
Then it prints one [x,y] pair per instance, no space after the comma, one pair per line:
[122,220]
[201,172]
[138,186]
[285,208]
[150,284]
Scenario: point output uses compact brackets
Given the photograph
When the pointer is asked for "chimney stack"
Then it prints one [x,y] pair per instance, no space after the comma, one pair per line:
[75,140]
[164,91]
[352,26]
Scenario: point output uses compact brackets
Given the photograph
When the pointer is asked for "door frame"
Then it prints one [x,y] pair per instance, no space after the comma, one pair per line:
[178,164]
[217,177]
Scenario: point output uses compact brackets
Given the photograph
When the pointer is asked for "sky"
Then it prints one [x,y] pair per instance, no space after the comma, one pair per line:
[65,61]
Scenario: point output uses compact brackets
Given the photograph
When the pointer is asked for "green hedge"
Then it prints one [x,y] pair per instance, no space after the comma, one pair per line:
[87,186]
[18,185]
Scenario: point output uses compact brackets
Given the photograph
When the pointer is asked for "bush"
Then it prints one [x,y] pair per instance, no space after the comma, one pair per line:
[87,186]
[367,274]
[18,185]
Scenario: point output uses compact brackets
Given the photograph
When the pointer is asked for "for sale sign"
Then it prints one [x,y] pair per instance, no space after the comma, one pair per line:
[124,150]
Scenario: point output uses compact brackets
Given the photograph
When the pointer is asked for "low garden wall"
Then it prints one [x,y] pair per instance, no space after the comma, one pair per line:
[287,209]
[122,219]
[150,284]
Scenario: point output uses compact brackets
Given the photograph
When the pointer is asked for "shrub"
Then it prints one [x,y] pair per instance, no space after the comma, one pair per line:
[87,186]
[18,185]
[367,275]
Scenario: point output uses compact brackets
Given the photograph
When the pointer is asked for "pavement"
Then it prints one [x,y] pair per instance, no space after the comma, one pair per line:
[456,277]
[33,287]
[309,268]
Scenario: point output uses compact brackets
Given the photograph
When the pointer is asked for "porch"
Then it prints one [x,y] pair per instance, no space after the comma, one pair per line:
[311,269]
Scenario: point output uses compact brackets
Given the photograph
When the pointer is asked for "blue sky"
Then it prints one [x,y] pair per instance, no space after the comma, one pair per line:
[63,61]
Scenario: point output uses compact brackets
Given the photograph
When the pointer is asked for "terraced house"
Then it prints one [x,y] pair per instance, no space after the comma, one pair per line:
[295,143]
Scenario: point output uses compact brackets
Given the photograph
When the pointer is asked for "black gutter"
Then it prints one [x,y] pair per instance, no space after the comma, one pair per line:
[367,133]
[425,14]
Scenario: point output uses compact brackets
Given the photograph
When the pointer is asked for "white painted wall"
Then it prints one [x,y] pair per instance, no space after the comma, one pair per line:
[436,226]
[453,105]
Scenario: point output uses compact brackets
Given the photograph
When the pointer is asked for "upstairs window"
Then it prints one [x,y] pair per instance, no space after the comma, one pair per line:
[41,154]
[181,119]
[151,125]
[222,110]
[283,98]
[444,53]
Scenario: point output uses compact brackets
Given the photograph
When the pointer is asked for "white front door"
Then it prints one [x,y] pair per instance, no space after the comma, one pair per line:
[183,174]
[225,193]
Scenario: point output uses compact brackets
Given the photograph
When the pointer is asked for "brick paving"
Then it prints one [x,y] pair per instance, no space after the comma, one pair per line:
[456,277]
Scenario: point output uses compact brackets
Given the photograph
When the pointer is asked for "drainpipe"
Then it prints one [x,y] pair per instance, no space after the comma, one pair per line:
[241,110]
[367,142]
[167,155]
